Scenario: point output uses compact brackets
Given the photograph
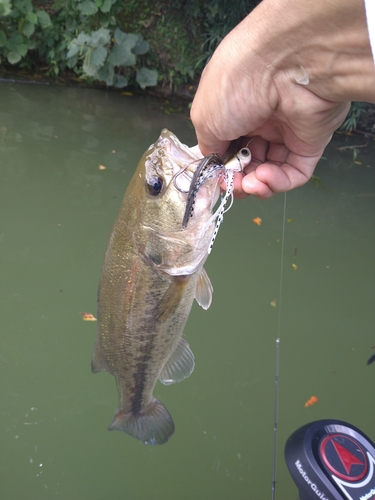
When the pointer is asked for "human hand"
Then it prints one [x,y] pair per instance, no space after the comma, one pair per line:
[255,86]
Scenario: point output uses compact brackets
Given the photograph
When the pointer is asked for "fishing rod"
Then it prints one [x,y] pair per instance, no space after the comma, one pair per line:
[277,364]
[327,459]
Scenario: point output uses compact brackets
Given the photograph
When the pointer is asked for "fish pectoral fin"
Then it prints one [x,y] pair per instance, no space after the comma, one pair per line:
[204,290]
[179,365]
[98,361]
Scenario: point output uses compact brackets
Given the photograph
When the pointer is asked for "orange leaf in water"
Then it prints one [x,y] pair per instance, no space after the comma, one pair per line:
[257,221]
[88,316]
[311,401]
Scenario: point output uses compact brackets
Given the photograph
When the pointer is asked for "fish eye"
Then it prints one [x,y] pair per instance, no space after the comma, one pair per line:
[154,185]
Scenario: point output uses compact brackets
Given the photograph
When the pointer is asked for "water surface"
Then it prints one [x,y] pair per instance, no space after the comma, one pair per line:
[56,210]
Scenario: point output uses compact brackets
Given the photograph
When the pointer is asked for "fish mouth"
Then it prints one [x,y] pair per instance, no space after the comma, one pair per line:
[197,180]
[211,166]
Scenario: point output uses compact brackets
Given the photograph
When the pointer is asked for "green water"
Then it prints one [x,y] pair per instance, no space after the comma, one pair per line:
[56,211]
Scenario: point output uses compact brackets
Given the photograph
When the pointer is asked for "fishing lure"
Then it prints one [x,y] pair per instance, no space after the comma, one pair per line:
[211,166]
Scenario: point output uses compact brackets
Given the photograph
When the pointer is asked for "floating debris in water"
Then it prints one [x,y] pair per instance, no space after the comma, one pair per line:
[295,267]
[257,221]
[311,401]
[273,303]
[102,167]
[88,316]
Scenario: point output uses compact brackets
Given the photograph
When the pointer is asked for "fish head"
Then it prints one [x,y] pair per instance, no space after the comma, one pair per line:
[158,195]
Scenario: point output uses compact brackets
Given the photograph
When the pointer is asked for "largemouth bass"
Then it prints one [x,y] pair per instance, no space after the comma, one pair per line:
[152,271]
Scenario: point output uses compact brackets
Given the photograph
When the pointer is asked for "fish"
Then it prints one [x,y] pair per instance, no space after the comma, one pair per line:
[152,272]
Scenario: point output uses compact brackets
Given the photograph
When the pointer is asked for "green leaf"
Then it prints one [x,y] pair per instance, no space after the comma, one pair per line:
[43,19]
[88,8]
[73,50]
[129,39]
[24,6]
[89,69]
[28,29]
[106,6]
[17,39]
[146,77]
[32,44]
[3,39]
[120,81]
[100,37]
[31,17]
[121,55]
[13,57]
[72,61]
[77,44]
[141,48]
[97,56]
[5,7]
[82,39]
[106,74]
[21,49]
[119,36]
[94,59]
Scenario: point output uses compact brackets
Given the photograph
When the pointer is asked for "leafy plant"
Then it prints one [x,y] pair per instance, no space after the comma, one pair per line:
[356,112]
[23,21]
[216,18]
[100,56]
[81,35]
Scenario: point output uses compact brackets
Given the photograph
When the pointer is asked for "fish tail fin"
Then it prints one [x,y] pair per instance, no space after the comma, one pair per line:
[153,425]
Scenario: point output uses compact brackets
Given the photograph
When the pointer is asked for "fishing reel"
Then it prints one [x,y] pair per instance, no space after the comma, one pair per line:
[331,460]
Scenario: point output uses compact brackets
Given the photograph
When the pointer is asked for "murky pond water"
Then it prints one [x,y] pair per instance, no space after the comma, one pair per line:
[56,211]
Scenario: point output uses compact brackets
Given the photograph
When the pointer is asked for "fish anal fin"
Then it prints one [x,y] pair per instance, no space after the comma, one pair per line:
[98,361]
[204,290]
[179,365]
[153,425]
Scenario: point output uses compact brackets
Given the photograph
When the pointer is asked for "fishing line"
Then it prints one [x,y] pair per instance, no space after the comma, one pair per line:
[277,364]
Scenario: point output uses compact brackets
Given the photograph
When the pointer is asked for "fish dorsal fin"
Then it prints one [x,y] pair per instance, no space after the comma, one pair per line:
[203,292]
[179,365]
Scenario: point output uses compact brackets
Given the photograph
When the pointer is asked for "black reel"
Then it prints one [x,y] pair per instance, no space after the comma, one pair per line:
[331,460]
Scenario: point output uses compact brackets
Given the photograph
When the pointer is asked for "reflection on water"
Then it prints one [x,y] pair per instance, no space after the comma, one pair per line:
[56,211]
